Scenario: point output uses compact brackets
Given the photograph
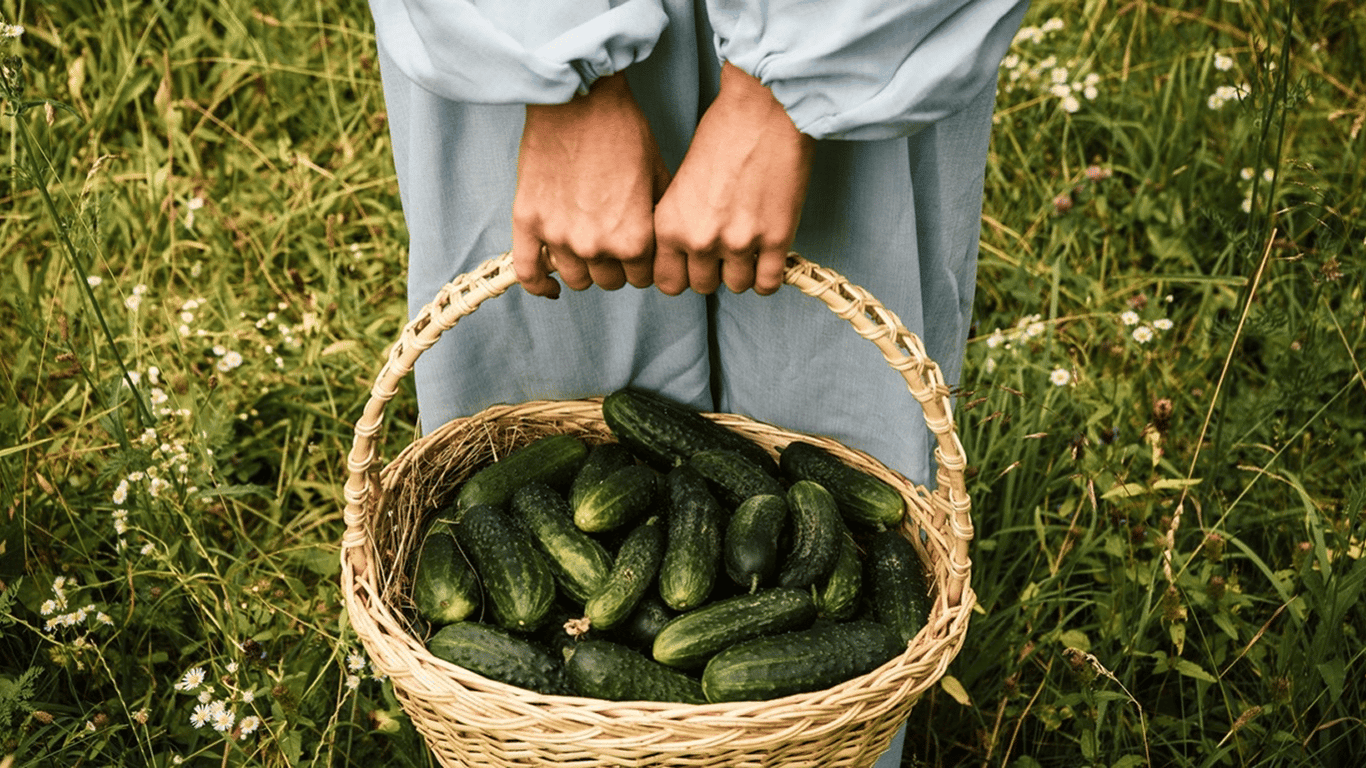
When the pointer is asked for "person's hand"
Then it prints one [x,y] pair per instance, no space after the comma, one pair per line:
[588,175]
[731,213]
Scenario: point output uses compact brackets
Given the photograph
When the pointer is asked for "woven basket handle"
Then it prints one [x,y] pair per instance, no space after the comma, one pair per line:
[903,351]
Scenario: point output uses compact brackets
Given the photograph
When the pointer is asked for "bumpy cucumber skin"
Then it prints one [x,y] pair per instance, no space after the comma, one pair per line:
[733,476]
[838,597]
[445,586]
[580,563]
[602,460]
[601,669]
[617,500]
[552,460]
[896,584]
[863,499]
[692,556]
[691,639]
[519,585]
[632,574]
[665,433]
[797,662]
[750,546]
[816,526]
[498,655]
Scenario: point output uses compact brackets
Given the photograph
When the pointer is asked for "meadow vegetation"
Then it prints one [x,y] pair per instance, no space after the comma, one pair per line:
[1164,403]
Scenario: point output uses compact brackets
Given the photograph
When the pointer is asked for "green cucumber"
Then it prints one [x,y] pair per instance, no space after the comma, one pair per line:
[602,460]
[816,527]
[692,556]
[580,563]
[552,460]
[896,584]
[498,655]
[618,499]
[838,597]
[601,669]
[750,546]
[666,433]
[797,662]
[733,476]
[632,574]
[518,582]
[445,586]
[642,626]
[694,637]
[863,499]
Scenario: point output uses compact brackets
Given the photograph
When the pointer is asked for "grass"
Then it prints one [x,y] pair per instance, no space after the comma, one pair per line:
[1163,402]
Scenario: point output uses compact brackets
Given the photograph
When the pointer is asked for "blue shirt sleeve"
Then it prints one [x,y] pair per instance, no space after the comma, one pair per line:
[506,52]
[867,69]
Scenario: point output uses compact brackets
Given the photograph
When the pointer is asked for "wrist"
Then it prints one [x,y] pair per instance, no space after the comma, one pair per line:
[743,90]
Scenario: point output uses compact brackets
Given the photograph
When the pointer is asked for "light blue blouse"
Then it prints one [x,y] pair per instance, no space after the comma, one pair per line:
[851,69]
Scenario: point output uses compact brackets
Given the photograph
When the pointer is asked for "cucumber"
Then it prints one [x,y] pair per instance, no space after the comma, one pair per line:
[816,527]
[733,476]
[618,499]
[692,556]
[602,460]
[632,574]
[640,629]
[896,584]
[518,583]
[445,586]
[838,598]
[750,547]
[498,655]
[863,499]
[580,563]
[552,460]
[694,637]
[601,669]
[797,662]
[666,433]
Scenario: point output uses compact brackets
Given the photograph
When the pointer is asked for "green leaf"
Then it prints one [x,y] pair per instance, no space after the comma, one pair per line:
[1191,669]
[954,688]
[1334,674]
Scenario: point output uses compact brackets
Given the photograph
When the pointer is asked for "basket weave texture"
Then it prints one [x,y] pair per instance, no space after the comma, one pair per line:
[469,720]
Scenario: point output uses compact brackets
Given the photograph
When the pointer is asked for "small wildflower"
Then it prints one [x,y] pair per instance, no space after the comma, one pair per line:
[200,716]
[1052,25]
[355,662]
[104,619]
[1129,318]
[996,339]
[249,725]
[232,667]
[12,31]
[1060,377]
[1269,174]
[1097,173]
[192,680]
[1070,104]
[1143,334]
[248,696]
[206,695]
[1163,324]
[121,492]
[352,682]
[223,719]
[141,716]
[1223,62]
[230,361]
[48,608]
[94,281]
[1063,203]
[1246,174]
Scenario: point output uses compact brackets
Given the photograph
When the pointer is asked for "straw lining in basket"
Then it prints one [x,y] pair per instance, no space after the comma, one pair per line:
[469,720]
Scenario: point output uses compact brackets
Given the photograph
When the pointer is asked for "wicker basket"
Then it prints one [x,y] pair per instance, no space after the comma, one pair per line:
[469,720]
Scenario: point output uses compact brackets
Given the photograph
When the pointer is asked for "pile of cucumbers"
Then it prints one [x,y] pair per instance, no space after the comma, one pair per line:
[678,563]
